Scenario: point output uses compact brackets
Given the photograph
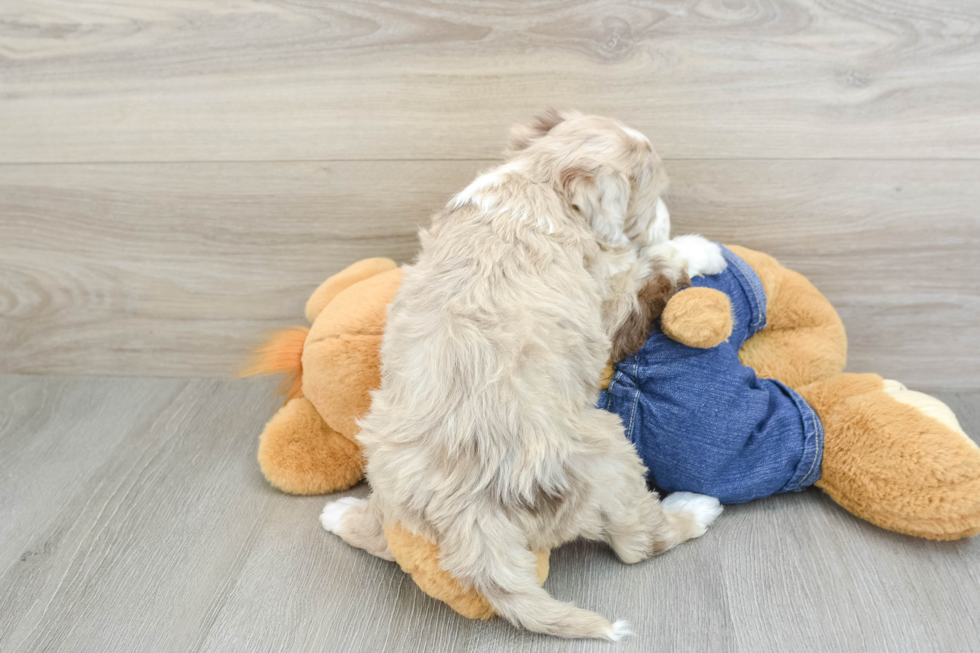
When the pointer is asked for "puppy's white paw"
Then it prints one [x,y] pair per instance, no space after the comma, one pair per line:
[703,509]
[620,629]
[701,256]
[334,512]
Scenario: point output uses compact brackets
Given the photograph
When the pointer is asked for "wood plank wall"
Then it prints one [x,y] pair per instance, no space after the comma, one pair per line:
[176,176]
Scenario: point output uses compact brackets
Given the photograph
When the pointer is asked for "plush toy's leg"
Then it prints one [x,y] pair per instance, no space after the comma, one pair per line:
[300,454]
[804,339]
[488,553]
[419,558]
[352,519]
[896,458]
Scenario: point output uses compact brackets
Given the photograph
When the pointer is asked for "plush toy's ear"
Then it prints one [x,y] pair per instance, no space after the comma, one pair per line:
[600,195]
[521,136]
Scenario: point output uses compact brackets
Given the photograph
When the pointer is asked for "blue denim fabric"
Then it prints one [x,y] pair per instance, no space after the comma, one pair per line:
[703,422]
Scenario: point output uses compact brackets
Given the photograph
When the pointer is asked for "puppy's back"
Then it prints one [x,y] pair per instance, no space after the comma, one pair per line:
[493,341]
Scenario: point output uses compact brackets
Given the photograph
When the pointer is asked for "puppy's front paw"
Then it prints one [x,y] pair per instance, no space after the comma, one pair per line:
[701,256]
[701,509]
[333,513]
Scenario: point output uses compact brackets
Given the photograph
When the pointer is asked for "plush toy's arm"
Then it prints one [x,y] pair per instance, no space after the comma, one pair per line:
[698,317]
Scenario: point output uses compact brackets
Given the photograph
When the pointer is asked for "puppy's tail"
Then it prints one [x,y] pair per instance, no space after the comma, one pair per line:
[527,605]
[282,353]
[488,554]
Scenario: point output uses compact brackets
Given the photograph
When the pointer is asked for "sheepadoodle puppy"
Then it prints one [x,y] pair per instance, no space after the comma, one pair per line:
[484,436]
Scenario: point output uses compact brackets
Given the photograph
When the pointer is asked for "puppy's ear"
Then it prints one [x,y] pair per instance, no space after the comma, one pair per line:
[601,196]
[521,136]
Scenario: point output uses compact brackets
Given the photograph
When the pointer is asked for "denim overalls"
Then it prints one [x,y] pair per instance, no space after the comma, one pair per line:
[703,422]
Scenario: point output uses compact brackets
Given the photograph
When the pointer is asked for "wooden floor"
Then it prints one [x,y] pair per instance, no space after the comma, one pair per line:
[176,176]
[134,518]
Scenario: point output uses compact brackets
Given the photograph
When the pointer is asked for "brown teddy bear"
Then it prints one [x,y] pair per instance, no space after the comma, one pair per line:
[894,457]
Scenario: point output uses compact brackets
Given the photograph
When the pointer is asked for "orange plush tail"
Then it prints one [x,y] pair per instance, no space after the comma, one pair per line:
[282,353]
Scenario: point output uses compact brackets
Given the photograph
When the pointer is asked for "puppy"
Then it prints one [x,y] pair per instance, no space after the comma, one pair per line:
[484,436]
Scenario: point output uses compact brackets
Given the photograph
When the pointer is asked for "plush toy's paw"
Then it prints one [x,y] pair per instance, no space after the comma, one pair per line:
[698,317]
[896,458]
[701,256]
[701,509]
[333,513]
[300,454]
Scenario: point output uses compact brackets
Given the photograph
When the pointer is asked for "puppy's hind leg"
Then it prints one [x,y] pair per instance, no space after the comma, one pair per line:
[633,521]
[690,514]
[357,523]
[639,526]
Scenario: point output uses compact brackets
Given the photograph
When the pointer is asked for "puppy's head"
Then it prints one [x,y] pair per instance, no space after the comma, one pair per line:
[606,172]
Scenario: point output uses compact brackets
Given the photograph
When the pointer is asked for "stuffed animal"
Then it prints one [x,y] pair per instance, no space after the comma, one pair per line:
[758,335]
[741,395]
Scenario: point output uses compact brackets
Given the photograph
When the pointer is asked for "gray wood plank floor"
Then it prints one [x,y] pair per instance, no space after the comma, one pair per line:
[133,517]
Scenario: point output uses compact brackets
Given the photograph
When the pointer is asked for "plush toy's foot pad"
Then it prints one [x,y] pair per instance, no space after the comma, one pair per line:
[333,513]
[300,454]
[698,317]
[926,405]
[701,509]
[897,458]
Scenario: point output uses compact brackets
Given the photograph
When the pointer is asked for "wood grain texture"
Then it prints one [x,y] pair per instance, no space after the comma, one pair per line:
[133,517]
[164,269]
[892,245]
[177,269]
[182,80]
